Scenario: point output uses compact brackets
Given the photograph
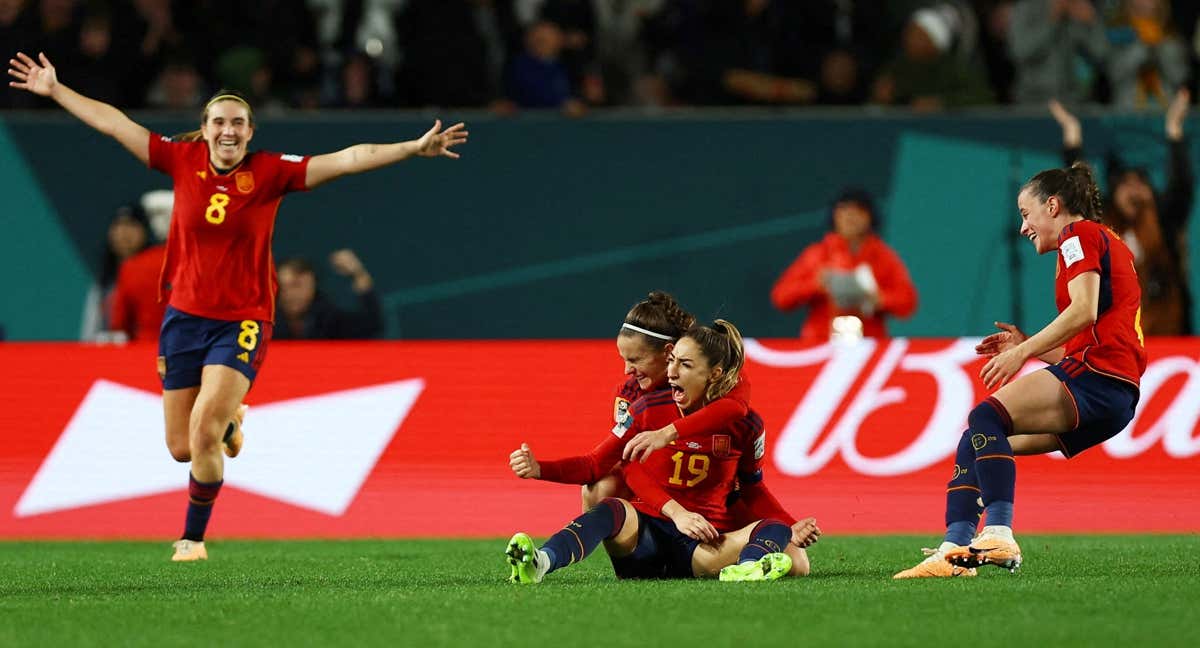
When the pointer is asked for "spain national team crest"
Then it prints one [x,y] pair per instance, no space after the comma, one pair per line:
[245,181]
[720,445]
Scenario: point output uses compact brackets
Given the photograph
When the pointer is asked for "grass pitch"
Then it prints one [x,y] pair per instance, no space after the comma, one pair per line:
[1074,590]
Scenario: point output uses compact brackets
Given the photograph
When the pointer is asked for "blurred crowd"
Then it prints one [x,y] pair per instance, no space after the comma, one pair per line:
[570,55]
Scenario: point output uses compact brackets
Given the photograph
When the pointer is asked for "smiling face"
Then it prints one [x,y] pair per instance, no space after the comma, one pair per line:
[1041,222]
[643,361]
[228,129]
[689,374]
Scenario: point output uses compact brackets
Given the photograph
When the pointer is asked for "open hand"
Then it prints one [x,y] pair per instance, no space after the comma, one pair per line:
[434,143]
[996,343]
[39,79]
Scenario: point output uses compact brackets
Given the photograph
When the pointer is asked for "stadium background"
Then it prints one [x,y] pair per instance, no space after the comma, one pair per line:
[546,231]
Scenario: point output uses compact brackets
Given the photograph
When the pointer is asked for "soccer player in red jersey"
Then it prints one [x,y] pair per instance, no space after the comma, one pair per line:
[644,341]
[218,276]
[1085,397]
[677,524]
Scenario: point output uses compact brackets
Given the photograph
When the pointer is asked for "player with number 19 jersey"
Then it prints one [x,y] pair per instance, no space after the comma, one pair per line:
[218,262]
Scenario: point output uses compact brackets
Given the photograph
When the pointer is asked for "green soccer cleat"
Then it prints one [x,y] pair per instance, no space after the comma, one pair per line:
[768,568]
[529,564]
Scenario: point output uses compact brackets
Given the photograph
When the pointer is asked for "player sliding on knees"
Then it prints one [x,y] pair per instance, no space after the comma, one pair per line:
[1084,398]
[218,277]
[677,524]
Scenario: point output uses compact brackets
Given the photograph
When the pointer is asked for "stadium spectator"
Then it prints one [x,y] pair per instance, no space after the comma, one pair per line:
[221,281]
[537,77]
[1047,40]
[1153,225]
[359,87]
[137,307]
[128,234]
[850,273]
[578,21]
[939,65]
[178,87]
[306,314]
[739,52]
[1148,61]
[1084,398]
[704,366]
[841,43]
[622,53]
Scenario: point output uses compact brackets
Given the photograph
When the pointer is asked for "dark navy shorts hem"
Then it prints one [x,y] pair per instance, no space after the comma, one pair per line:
[1103,405]
[187,343]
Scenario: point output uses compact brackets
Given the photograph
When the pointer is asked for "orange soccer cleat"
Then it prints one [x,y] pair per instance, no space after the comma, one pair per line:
[935,565]
[993,546]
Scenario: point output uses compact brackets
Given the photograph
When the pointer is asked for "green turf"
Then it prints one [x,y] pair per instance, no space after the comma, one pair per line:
[1073,590]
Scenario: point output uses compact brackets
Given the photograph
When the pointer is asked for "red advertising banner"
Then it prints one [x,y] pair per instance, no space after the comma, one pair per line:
[412,439]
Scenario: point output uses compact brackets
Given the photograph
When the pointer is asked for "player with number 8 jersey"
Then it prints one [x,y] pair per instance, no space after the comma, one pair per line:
[228,215]
[218,277]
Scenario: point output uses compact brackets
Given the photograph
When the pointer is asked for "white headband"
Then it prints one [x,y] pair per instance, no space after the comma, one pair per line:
[643,331]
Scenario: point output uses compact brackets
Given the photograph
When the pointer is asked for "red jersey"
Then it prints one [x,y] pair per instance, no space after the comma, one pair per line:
[1113,345]
[698,473]
[218,263]
[800,285]
[136,308]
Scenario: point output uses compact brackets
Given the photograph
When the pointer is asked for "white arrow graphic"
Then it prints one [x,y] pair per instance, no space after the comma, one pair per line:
[313,452]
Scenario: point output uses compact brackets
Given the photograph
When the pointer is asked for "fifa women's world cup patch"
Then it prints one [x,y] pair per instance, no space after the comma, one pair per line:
[1071,250]
[245,181]
[622,417]
[162,367]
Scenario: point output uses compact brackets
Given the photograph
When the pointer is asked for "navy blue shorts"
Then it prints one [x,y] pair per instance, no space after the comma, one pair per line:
[187,343]
[1103,405]
[662,551]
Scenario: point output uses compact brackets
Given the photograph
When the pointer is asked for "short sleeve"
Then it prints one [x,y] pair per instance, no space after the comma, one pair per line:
[293,172]
[754,444]
[163,153]
[1080,250]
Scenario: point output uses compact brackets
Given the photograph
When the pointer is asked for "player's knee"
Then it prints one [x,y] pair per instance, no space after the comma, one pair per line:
[180,450]
[989,415]
[590,495]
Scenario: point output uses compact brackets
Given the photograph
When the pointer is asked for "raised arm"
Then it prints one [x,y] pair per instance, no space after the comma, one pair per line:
[365,157]
[1072,132]
[1177,200]
[40,78]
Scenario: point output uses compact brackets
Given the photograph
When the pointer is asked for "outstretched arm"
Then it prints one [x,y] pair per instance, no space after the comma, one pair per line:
[40,78]
[365,157]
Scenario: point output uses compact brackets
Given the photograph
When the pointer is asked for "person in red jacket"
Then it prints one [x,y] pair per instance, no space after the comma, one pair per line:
[850,273]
